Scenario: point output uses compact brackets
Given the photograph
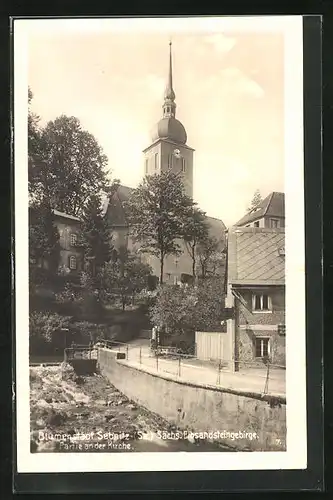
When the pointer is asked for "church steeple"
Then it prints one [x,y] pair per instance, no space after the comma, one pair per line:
[169,106]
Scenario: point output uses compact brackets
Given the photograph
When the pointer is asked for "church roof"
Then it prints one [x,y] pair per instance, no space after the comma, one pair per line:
[117,217]
[115,207]
[217,229]
[271,206]
[170,128]
[256,256]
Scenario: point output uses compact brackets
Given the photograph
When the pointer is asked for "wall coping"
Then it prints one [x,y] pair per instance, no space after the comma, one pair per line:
[270,398]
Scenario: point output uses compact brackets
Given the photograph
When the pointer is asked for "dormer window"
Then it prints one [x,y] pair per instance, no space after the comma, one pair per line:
[274,223]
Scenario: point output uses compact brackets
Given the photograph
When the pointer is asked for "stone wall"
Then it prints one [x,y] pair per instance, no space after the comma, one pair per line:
[247,346]
[202,408]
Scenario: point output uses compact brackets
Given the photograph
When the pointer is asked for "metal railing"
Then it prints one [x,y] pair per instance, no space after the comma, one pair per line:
[248,376]
[80,352]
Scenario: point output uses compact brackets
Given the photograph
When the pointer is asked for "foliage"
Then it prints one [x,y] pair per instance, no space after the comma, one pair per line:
[156,212]
[43,328]
[91,293]
[69,293]
[126,275]
[95,235]
[174,308]
[67,164]
[210,304]
[44,246]
[181,308]
[87,332]
[210,257]
[195,231]
[33,135]
[256,200]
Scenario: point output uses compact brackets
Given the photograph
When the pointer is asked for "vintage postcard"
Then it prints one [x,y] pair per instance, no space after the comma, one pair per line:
[159,244]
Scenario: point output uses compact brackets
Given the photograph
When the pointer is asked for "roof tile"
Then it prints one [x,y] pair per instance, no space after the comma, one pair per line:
[254,253]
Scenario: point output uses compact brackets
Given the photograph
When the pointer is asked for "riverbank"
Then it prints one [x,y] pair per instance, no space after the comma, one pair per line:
[88,414]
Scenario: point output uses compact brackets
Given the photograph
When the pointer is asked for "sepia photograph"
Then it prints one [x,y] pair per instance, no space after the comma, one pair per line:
[159,236]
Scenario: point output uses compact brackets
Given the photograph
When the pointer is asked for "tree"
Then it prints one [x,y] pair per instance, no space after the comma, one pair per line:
[95,235]
[34,144]
[156,212]
[44,247]
[68,165]
[174,308]
[210,304]
[125,275]
[209,256]
[198,307]
[256,200]
[195,232]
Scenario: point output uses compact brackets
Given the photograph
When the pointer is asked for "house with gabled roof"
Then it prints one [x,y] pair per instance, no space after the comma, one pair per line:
[255,297]
[71,254]
[269,213]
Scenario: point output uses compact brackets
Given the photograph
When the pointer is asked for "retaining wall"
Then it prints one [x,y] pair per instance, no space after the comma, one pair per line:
[202,408]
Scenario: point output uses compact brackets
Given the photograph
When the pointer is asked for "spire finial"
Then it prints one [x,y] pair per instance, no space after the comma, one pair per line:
[169,96]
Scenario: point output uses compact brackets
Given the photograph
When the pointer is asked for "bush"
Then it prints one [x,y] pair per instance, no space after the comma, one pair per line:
[43,330]
[181,308]
[85,332]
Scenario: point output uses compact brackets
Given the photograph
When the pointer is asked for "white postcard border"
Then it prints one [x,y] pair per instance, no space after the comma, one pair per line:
[296,455]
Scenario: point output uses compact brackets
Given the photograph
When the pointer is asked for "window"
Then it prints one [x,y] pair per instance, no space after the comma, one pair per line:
[262,347]
[261,303]
[274,223]
[170,161]
[256,224]
[72,262]
[146,166]
[156,161]
[183,165]
[73,239]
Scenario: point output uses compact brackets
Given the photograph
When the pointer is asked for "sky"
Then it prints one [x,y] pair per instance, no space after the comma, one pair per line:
[229,93]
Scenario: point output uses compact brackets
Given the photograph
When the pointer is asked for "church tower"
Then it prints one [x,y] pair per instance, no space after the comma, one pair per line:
[168,149]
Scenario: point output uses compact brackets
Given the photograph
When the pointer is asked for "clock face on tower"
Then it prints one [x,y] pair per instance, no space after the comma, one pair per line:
[176,153]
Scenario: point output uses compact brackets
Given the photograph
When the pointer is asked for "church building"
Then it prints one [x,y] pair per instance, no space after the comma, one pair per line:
[168,150]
